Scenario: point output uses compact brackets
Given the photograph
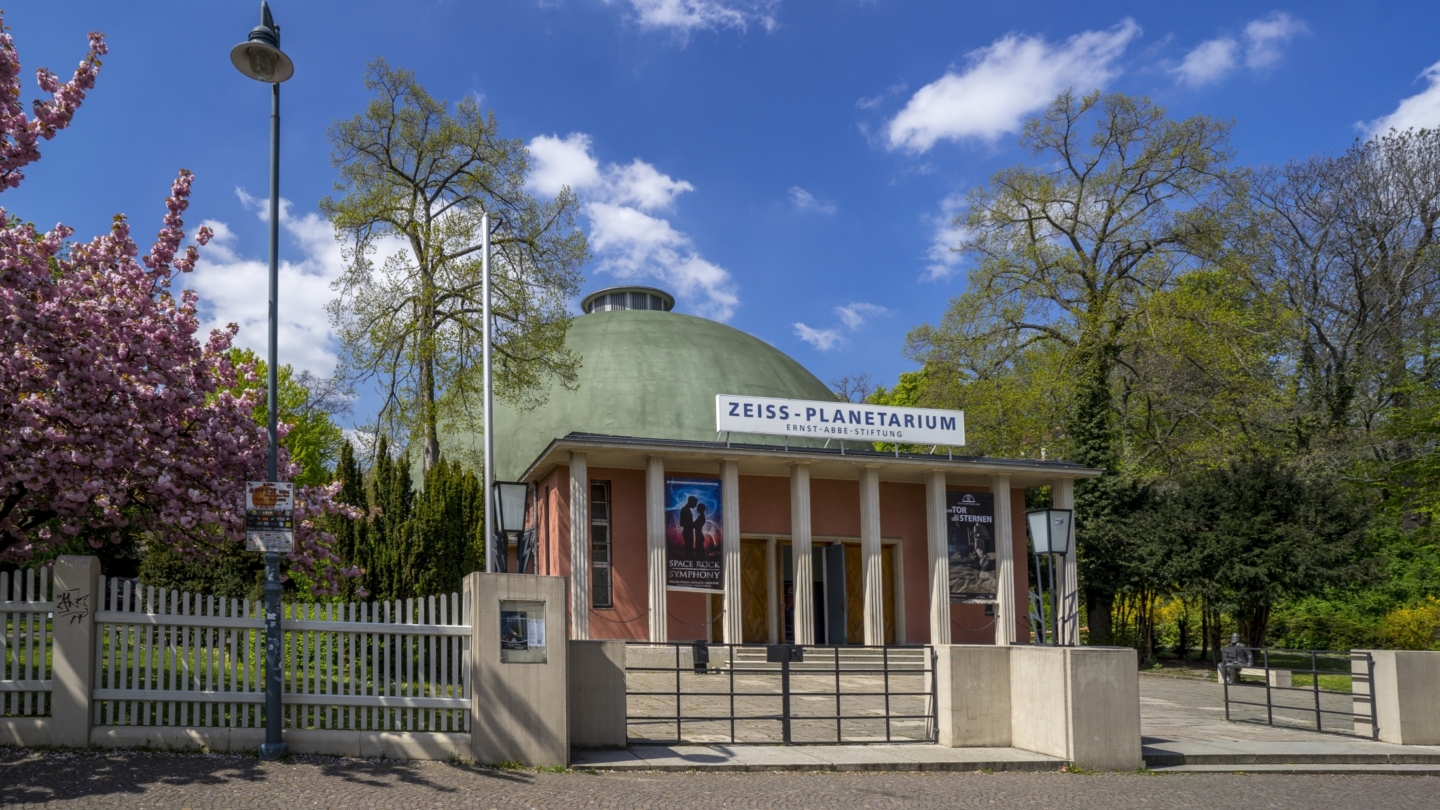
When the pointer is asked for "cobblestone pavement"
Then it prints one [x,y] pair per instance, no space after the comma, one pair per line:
[221,782]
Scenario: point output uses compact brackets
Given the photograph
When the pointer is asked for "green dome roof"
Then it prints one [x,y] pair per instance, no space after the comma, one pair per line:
[653,375]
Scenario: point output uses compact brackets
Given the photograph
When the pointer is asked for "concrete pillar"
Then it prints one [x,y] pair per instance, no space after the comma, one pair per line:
[772,591]
[1081,704]
[579,547]
[972,696]
[1405,692]
[873,598]
[519,710]
[730,537]
[1062,493]
[801,554]
[655,548]
[1004,562]
[938,544]
[75,592]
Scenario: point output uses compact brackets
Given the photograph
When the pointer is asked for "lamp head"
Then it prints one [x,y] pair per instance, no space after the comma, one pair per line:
[259,56]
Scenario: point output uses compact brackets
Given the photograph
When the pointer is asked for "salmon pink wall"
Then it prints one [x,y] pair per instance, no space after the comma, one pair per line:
[765,510]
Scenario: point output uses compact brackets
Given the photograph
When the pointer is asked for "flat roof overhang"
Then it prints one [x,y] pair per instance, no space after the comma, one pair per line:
[687,456]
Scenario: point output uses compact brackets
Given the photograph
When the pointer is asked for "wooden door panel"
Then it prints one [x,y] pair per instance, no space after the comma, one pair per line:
[754,596]
[854,595]
[887,576]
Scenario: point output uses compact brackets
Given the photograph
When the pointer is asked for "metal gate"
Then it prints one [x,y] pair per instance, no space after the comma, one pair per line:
[736,694]
[1333,694]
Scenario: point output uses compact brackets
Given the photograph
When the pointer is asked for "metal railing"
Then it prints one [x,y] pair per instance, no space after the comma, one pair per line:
[1278,668]
[867,694]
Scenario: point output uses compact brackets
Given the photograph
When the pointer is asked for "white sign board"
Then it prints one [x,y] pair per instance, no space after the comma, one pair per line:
[269,516]
[838,420]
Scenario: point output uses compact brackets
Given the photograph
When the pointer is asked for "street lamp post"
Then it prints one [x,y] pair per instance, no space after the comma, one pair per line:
[260,58]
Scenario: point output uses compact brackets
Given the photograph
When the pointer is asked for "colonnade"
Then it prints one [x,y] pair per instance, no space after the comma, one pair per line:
[801,540]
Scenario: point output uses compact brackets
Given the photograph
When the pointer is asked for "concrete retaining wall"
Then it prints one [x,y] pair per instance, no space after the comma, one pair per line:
[27,731]
[597,694]
[1406,690]
[1081,704]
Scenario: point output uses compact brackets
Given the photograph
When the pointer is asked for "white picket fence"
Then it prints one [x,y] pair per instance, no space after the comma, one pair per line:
[25,609]
[167,658]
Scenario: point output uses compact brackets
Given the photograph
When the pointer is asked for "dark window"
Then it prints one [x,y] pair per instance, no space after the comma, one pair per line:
[601,590]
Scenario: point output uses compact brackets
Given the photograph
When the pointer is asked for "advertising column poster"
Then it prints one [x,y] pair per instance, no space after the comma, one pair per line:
[692,535]
[970,536]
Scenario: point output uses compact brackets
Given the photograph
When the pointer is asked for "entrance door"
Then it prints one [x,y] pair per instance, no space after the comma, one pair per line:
[754,595]
[855,594]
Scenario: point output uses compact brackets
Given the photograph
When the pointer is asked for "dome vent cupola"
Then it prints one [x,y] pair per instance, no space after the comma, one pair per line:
[612,299]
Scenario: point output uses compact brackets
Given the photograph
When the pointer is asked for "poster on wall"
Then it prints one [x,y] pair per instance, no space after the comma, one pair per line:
[970,537]
[692,535]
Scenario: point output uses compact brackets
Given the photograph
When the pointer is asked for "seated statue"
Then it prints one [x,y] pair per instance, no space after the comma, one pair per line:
[1233,658]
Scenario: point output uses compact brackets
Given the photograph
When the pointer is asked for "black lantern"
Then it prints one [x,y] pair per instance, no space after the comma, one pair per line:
[1050,537]
[1050,530]
[510,497]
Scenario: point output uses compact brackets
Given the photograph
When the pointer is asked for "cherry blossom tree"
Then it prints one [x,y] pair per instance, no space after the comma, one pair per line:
[115,417]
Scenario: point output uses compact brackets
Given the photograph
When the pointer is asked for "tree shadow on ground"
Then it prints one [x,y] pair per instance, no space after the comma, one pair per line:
[33,776]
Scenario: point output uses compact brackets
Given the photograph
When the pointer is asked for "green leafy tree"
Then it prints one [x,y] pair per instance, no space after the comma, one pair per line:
[1256,532]
[1120,201]
[416,181]
[308,407]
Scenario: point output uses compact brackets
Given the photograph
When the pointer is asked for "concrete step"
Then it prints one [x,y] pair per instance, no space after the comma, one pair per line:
[1157,760]
[1334,769]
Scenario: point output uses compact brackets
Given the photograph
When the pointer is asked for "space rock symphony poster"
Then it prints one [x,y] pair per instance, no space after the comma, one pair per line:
[692,535]
[970,537]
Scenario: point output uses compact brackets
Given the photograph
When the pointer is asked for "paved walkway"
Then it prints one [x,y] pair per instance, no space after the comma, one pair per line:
[1183,728]
[834,758]
[1182,723]
[123,780]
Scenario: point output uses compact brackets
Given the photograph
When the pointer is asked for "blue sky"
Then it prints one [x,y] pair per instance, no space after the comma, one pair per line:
[789,168]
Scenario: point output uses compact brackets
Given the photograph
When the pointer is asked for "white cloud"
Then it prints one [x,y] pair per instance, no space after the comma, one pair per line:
[1208,62]
[685,16]
[1263,38]
[629,240]
[1215,59]
[557,163]
[805,201]
[944,260]
[234,288]
[1420,111]
[854,315]
[875,101]
[822,339]
[1004,82]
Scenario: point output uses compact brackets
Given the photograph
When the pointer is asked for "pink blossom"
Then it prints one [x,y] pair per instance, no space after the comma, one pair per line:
[112,413]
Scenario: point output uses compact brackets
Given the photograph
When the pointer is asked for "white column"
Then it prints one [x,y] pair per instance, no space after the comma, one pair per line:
[938,542]
[873,600]
[1004,562]
[801,556]
[580,547]
[772,591]
[655,548]
[730,508]
[1062,493]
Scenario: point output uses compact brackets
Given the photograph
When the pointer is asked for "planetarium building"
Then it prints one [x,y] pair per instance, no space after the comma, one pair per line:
[675,523]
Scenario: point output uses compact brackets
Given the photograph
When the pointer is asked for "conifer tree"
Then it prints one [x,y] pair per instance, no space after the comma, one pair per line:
[393,497]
